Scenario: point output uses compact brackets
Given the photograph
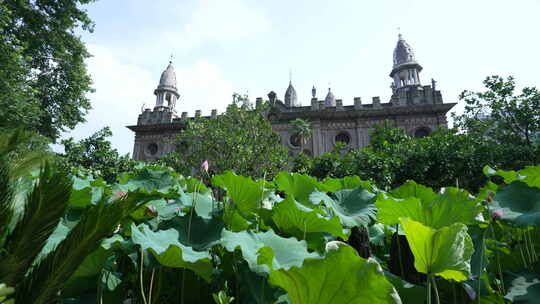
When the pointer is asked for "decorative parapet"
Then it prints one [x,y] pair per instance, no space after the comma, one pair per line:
[339,105]
[376,102]
[314,104]
[357,103]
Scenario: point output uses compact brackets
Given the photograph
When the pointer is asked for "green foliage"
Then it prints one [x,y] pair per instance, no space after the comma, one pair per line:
[520,204]
[500,116]
[445,158]
[95,155]
[354,207]
[244,193]
[44,207]
[299,221]
[445,252]
[43,80]
[301,129]
[241,139]
[169,252]
[155,236]
[322,280]
[421,204]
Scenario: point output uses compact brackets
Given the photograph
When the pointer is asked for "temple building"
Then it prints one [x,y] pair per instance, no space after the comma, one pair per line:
[416,108]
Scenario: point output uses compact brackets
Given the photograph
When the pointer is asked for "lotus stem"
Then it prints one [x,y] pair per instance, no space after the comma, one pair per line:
[531,244]
[497,256]
[525,265]
[437,301]
[141,276]
[151,286]
[524,235]
[429,288]
[481,262]
[402,272]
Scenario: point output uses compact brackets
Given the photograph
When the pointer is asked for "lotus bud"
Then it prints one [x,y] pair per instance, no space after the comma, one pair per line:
[204,166]
[497,214]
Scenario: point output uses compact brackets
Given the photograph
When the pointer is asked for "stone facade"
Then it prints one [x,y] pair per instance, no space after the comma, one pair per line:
[415,108]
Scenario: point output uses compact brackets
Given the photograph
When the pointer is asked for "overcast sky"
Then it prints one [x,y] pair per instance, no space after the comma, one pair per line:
[246,46]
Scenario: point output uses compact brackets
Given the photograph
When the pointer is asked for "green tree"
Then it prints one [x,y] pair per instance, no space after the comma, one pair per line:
[302,129]
[241,139]
[96,155]
[498,114]
[43,79]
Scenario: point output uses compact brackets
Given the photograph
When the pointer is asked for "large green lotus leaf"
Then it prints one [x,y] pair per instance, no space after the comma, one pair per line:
[347,182]
[451,206]
[341,277]
[203,232]
[445,252]
[87,191]
[191,184]
[149,179]
[520,204]
[169,252]
[530,175]
[391,209]
[297,220]
[254,288]
[354,207]
[412,189]
[298,186]
[408,293]
[243,192]
[203,202]
[523,287]
[233,220]
[265,250]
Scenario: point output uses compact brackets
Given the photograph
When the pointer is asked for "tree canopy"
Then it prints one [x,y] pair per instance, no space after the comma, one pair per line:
[96,155]
[43,79]
[240,139]
[498,114]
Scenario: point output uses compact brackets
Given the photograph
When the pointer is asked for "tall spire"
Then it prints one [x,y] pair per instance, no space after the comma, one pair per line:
[291,100]
[290,76]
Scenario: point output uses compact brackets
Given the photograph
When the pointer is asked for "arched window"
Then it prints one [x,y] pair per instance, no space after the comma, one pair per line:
[152,149]
[343,137]
[295,140]
[422,132]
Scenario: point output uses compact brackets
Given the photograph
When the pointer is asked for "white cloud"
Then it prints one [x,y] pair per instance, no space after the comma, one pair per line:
[123,88]
[202,87]
[221,22]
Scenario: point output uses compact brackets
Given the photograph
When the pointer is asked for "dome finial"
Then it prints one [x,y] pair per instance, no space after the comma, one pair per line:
[290,76]
[171,58]
[400,37]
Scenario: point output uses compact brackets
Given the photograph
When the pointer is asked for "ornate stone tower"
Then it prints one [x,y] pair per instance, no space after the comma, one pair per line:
[155,127]
[406,71]
[166,92]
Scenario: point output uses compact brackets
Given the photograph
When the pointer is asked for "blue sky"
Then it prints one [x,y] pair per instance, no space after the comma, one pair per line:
[246,46]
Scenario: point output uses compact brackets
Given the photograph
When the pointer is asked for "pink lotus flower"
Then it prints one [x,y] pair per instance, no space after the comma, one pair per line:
[119,195]
[497,214]
[204,166]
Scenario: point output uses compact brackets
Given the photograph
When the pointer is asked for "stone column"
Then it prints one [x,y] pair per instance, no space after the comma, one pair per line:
[316,138]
